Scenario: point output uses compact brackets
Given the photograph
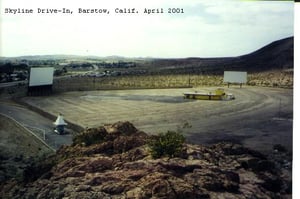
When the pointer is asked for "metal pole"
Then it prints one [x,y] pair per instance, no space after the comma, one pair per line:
[279,109]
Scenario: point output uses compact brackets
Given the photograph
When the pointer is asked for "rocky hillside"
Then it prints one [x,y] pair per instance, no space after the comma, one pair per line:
[120,166]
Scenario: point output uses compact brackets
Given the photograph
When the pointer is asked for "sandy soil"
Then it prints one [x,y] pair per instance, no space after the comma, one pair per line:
[258,117]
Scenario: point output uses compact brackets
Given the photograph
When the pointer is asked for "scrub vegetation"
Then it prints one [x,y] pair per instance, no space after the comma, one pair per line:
[170,144]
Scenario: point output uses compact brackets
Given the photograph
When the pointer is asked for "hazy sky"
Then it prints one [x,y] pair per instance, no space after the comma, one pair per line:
[207,28]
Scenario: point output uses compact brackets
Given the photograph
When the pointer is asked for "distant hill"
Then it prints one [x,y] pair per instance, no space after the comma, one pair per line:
[276,55]
[63,57]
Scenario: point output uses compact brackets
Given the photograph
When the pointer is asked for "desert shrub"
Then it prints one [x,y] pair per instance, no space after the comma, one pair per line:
[168,144]
[90,136]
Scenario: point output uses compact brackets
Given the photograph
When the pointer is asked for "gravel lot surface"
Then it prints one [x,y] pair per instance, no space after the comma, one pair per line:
[259,117]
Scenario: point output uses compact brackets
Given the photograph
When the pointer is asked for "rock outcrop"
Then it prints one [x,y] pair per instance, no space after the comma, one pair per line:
[121,167]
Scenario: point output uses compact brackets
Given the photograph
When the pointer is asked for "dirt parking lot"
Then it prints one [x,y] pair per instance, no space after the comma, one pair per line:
[259,117]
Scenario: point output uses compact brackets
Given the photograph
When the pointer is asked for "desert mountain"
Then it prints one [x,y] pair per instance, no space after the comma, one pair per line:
[276,55]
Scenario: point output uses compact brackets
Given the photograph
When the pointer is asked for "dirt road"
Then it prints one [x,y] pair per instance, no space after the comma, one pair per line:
[258,117]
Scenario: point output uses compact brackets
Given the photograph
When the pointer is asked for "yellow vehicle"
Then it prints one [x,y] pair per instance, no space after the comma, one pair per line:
[218,94]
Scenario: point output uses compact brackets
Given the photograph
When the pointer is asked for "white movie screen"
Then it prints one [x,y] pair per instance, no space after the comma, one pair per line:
[41,76]
[235,77]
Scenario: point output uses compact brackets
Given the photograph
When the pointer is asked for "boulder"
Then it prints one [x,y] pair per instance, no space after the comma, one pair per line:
[121,128]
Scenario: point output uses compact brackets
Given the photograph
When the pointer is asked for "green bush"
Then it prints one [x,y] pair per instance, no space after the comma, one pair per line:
[169,144]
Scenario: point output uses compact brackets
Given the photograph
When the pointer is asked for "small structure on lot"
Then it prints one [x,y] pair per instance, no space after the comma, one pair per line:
[218,94]
[60,124]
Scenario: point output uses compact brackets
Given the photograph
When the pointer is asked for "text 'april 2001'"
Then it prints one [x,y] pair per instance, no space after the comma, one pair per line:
[93,11]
